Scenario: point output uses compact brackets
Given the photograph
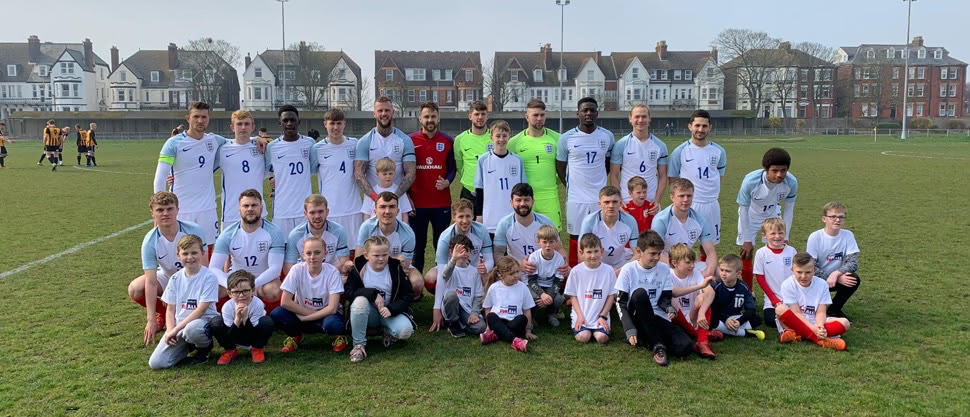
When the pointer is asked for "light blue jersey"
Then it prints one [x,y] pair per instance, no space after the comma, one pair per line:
[402,239]
[673,231]
[193,161]
[585,155]
[616,241]
[157,252]
[482,243]
[703,166]
[250,251]
[520,241]
[334,238]
[759,200]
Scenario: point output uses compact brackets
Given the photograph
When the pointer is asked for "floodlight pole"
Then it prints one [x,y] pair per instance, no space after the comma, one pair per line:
[909,10]
[562,21]
[283,32]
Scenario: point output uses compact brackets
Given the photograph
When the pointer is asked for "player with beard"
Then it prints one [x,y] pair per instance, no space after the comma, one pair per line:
[435,170]
[515,234]
[536,145]
[582,162]
[384,141]
[471,144]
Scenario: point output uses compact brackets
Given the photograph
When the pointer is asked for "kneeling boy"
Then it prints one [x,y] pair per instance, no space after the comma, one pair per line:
[591,287]
[244,321]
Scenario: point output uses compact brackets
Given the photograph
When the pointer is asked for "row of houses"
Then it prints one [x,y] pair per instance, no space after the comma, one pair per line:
[862,81]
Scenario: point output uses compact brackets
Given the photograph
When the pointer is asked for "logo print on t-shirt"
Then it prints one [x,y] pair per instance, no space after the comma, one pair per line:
[254,152]
[513,170]
[653,155]
[396,148]
[834,256]
[603,145]
[652,292]
[351,153]
[714,161]
[208,146]
[548,148]
[463,291]
[317,302]
[510,310]
[808,310]
[781,196]
[261,246]
[190,304]
[692,234]
[597,294]
[623,237]
[429,160]
[788,261]
[440,147]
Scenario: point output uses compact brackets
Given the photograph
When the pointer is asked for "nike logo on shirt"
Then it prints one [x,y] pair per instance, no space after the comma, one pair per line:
[689,160]
[327,156]
[186,149]
[229,155]
[280,156]
[237,248]
[630,153]
[163,256]
[514,239]
[671,234]
[373,149]
[768,262]
[491,171]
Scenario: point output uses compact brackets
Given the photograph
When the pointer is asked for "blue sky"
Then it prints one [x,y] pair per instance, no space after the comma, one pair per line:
[360,27]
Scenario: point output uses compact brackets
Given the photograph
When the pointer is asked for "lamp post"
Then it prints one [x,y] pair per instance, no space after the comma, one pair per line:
[909,10]
[283,32]
[562,20]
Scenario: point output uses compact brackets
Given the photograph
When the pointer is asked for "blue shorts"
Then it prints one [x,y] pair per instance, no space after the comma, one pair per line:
[587,329]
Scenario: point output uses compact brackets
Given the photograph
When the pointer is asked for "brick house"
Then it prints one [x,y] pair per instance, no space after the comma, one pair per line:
[452,79]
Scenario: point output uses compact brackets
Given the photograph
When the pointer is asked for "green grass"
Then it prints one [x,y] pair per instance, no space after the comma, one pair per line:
[71,341]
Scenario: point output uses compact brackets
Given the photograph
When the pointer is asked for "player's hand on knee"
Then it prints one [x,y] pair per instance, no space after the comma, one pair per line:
[847,280]
[702,323]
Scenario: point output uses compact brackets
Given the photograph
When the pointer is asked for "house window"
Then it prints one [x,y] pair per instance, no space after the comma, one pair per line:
[288,75]
[147,97]
[436,75]
[637,94]
[74,89]
[938,54]
[688,75]
[388,75]
[942,90]
[35,90]
[515,75]
[155,76]
[434,96]
[663,75]
[953,90]
[258,72]
[65,90]
[448,96]
[416,74]
[919,109]
[921,53]
[121,95]
[123,75]
[895,89]
[342,94]
[921,73]
[258,94]
[469,76]
[537,75]
[890,53]
[676,74]
[448,75]
[919,90]
[42,70]
[802,111]
[804,90]
[943,73]
[804,74]
[870,53]
[424,95]
[953,73]
[635,73]
[589,75]
[951,110]
[895,73]
[411,96]
[912,72]
[942,110]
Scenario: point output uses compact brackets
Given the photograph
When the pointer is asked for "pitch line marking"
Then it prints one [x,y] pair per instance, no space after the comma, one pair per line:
[71,250]
[107,171]
[895,153]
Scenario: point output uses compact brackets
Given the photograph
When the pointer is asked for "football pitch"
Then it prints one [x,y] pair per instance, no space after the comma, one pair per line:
[71,341]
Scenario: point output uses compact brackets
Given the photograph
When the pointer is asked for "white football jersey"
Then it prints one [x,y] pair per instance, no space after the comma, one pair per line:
[157,252]
[313,292]
[293,164]
[673,231]
[243,167]
[250,251]
[519,240]
[616,240]
[703,166]
[464,282]
[334,239]
[639,159]
[335,176]
[585,155]
[496,175]
[546,269]
[508,301]
[776,267]
[193,162]
[373,147]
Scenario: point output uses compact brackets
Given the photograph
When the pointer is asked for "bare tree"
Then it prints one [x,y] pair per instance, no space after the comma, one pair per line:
[364,96]
[496,83]
[783,82]
[750,59]
[821,78]
[212,64]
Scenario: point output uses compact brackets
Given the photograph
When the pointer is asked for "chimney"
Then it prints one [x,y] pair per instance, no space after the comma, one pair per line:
[33,48]
[88,53]
[714,54]
[173,56]
[662,50]
[114,58]
[785,46]
[599,54]
[918,41]
[546,51]
[249,60]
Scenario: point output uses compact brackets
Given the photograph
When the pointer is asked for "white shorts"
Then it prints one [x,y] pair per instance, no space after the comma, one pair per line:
[575,213]
[287,224]
[207,220]
[162,279]
[754,227]
[351,224]
[711,212]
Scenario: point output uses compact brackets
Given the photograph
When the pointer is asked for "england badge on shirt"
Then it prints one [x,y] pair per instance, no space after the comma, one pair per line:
[513,170]
[714,161]
[692,234]
[208,146]
[548,148]
[396,148]
[440,147]
[262,246]
[653,155]
[351,152]
[305,153]
[254,152]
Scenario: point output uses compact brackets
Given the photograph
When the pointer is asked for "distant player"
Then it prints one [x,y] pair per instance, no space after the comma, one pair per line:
[252,244]
[498,171]
[640,154]
[190,157]
[3,143]
[335,155]
[435,170]
[293,163]
[760,198]
[159,260]
[537,145]
[332,234]
[616,229]
[91,145]
[471,144]
[836,256]
[65,133]
[702,162]
[384,141]
[581,162]
[243,166]
[81,144]
[679,223]
[52,138]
